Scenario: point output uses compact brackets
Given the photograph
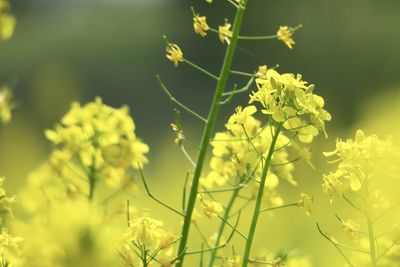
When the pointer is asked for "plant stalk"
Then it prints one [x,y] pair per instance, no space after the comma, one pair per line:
[225,216]
[205,140]
[256,212]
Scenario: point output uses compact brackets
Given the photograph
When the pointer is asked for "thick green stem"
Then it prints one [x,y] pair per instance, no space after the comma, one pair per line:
[372,244]
[225,216]
[256,212]
[92,181]
[205,140]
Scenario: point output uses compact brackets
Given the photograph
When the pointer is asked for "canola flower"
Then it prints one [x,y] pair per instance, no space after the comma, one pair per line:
[200,25]
[363,165]
[146,243]
[7,21]
[358,162]
[285,34]
[100,141]
[10,246]
[225,32]
[6,104]
[291,101]
[174,53]
[68,233]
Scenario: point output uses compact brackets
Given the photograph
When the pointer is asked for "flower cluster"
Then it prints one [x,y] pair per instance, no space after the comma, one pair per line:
[146,237]
[7,21]
[5,201]
[10,246]
[88,238]
[291,101]
[238,152]
[358,162]
[100,140]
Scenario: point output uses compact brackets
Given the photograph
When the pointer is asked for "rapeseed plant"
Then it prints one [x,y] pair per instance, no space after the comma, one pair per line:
[77,209]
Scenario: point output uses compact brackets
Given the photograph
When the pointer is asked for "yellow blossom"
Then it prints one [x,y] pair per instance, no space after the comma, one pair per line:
[225,32]
[233,261]
[147,233]
[359,159]
[7,21]
[210,208]
[284,34]
[179,134]
[5,104]
[351,227]
[200,25]
[291,101]
[5,201]
[174,53]
[10,249]
[305,202]
[102,139]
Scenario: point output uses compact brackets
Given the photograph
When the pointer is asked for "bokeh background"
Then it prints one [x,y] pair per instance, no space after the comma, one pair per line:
[64,51]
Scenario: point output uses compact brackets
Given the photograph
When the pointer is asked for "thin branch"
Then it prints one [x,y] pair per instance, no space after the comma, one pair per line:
[187,156]
[223,189]
[336,246]
[279,207]
[174,100]
[234,228]
[153,197]
[241,90]
[243,73]
[201,69]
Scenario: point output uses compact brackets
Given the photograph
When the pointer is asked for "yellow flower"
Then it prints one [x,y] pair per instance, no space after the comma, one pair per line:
[10,248]
[179,134]
[174,53]
[284,34]
[7,21]
[200,25]
[98,138]
[306,203]
[210,208]
[233,261]
[5,105]
[351,227]
[359,159]
[225,32]
[291,101]
[5,201]
[148,234]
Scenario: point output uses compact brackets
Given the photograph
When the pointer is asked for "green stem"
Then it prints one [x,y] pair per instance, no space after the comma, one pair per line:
[372,244]
[256,212]
[205,140]
[225,216]
[92,181]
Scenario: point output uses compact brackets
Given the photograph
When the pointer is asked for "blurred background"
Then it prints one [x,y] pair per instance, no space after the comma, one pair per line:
[64,51]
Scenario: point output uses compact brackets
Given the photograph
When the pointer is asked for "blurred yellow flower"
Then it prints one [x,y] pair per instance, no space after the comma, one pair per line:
[7,21]
[305,202]
[210,208]
[233,261]
[5,104]
[99,138]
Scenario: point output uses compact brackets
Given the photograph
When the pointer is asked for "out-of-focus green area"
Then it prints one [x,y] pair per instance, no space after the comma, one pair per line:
[64,51]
